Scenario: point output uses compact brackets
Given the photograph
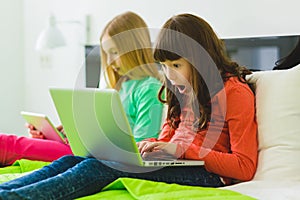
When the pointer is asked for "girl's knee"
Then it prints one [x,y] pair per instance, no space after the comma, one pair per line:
[91,161]
[70,159]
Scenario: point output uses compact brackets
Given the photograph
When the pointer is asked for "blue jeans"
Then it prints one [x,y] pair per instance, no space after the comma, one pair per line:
[71,177]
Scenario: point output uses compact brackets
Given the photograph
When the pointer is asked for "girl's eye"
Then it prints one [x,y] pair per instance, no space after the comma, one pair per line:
[176,65]
[113,52]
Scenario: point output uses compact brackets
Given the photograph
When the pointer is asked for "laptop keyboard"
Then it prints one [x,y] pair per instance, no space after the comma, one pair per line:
[153,156]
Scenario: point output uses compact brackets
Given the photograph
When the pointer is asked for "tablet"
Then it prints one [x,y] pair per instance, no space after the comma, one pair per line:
[42,123]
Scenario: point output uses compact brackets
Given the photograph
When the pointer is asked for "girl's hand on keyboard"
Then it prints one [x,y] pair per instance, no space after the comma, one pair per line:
[146,147]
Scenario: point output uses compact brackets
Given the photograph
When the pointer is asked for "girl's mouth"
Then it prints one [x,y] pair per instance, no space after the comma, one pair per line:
[181,88]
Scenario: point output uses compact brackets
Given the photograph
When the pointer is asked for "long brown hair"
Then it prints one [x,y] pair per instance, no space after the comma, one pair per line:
[191,37]
[132,39]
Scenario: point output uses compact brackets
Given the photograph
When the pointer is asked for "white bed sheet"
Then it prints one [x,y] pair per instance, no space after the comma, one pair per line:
[269,190]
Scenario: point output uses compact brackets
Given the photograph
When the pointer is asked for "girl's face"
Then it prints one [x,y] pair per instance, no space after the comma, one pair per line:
[112,54]
[179,73]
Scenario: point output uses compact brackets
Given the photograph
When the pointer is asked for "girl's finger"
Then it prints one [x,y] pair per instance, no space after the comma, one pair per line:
[149,147]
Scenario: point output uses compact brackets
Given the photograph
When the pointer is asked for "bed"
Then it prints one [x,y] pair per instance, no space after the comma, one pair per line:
[129,188]
[278,172]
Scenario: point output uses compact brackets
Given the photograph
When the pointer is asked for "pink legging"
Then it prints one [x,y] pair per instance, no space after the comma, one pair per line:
[14,147]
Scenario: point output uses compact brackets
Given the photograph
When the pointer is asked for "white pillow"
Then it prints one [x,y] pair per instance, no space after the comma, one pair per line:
[278,118]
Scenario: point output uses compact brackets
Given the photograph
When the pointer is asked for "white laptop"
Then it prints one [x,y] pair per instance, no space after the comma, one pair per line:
[42,123]
[96,125]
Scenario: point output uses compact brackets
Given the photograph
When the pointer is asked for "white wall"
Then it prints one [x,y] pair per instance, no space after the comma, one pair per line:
[230,18]
[12,66]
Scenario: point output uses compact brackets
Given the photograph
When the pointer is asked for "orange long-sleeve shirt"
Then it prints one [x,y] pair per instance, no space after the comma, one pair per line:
[229,144]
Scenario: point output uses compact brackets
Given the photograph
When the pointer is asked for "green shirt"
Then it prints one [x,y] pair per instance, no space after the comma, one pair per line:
[142,107]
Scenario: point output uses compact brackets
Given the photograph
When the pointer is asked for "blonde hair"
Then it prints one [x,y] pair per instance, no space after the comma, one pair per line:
[132,39]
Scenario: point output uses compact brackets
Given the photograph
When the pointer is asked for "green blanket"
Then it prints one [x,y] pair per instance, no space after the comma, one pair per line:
[129,188]
[19,168]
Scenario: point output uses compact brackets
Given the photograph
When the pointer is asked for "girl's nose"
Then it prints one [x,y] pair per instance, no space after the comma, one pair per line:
[109,59]
[170,73]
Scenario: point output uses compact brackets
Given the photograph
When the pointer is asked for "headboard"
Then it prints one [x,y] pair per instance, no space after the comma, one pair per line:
[260,53]
[257,53]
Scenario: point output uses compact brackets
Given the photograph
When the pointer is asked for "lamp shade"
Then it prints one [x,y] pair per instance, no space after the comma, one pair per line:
[51,37]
